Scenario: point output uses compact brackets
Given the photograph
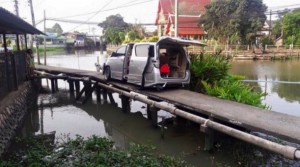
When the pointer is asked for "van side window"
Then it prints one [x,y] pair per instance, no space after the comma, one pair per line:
[120,51]
[142,50]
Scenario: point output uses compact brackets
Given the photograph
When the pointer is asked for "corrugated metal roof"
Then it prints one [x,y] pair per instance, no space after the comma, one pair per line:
[12,24]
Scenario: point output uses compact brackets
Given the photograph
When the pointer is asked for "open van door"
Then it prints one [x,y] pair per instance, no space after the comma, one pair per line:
[140,60]
[184,42]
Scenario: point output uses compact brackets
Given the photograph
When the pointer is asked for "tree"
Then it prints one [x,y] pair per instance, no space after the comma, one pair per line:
[235,21]
[111,28]
[56,28]
[277,28]
[291,28]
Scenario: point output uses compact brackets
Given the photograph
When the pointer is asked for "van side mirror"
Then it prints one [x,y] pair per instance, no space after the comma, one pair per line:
[114,54]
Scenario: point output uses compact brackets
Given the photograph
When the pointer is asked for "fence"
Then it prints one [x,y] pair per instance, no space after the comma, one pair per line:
[13,71]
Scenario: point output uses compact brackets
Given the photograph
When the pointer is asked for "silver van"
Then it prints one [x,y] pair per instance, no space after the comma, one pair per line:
[159,64]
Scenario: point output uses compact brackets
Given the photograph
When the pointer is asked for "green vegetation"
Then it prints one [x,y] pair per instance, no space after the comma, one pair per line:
[56,28]
[95,151]
[233,21]
[41,49]
[288,27]
[113,28]
[291,28]
[117,31]
[209,74]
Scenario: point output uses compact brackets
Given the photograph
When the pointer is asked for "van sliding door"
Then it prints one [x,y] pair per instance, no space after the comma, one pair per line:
[138,63]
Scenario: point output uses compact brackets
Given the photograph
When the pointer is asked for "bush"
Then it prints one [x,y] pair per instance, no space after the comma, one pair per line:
[209,74]
[208,68]
[153,39]
[231,88]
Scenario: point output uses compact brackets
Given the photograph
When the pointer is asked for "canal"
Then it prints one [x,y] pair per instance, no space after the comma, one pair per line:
[60,114]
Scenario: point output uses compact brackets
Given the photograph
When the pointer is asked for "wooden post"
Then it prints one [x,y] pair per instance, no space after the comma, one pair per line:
[125,103]
[71,87]
[14,71]
[45,56]
[6,62]
[18,42]
[56,84]
[209,136]
[77,87]
[111,98]
[52,85]
[88,88]
[98,91]
[25,37]
[152,111]
[104,93]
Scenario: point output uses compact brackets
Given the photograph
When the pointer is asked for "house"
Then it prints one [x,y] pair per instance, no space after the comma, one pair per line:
[52,39]
[77,39]
[189,12]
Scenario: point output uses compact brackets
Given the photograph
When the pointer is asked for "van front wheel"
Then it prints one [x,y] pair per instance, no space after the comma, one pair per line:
[107,73]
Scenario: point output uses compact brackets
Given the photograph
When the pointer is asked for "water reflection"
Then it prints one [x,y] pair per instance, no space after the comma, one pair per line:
[58,112]
[282,97]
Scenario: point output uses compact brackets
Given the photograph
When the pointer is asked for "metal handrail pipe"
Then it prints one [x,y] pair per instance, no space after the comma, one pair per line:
[286,151]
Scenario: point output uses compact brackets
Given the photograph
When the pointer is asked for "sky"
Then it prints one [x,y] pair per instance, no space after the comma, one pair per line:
[133,11]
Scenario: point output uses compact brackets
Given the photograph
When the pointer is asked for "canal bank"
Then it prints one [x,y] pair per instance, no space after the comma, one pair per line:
[13,108]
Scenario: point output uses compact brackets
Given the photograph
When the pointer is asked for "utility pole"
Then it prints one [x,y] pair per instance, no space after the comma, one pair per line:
[17,13]
[176,18]
[17,7]
[32,37]
[270,28]
[45,58]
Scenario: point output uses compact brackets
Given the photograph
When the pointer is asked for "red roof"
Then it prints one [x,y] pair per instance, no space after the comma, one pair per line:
[186,7]
[187,25]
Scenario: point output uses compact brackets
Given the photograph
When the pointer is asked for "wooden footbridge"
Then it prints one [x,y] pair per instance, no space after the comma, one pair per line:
[209,112]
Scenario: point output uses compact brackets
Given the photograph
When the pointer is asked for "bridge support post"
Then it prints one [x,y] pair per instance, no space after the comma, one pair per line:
[87,86]
[77,87]
[111,98]
[125,103]
[104,93]
[152,114]
[98,93]
[52,85]
[209,136]
[56,85]
[71,87]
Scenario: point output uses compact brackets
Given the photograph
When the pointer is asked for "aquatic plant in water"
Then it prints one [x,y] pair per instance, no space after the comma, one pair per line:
[94,151]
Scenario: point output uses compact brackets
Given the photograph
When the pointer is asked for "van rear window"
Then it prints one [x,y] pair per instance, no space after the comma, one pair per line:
[142,50]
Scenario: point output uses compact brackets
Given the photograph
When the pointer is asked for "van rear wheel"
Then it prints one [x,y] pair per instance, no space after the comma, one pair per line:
[107,73]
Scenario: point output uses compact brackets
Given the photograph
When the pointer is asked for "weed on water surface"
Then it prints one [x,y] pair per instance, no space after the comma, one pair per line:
[94,151]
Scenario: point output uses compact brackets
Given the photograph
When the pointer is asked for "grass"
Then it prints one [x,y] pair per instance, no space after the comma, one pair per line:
[41,50]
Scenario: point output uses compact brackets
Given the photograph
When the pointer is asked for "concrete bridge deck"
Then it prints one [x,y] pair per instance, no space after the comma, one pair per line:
[266,121]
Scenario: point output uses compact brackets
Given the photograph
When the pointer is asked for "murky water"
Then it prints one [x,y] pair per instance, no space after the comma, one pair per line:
[282,97]
[58,112]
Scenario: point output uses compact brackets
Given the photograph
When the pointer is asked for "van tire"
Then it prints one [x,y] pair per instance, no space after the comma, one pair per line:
[107,73]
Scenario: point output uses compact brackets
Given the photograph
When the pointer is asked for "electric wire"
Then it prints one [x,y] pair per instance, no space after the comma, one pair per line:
[115,8]
[110,1]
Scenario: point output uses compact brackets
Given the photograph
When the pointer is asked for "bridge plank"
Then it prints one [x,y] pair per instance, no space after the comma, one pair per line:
[270,122]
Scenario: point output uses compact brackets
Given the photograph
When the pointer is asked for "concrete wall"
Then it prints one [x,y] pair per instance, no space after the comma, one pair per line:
[12,111]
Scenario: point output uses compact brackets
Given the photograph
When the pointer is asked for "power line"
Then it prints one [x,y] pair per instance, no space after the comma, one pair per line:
[92,15]
[118,7]
[284,6]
